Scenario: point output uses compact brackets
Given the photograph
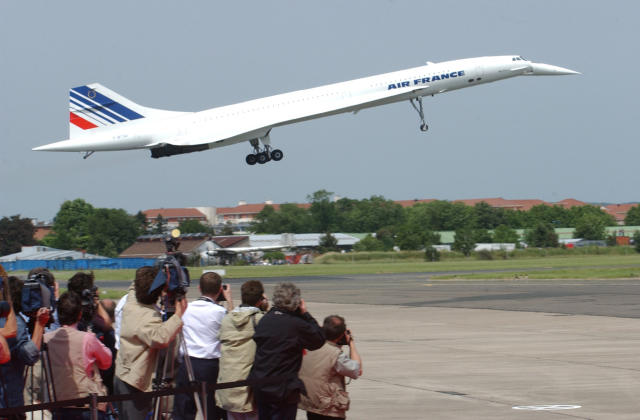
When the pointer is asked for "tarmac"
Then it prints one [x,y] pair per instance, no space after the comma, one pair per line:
[516,349]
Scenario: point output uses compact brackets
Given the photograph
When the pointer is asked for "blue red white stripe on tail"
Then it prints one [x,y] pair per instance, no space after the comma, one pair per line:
[89,108]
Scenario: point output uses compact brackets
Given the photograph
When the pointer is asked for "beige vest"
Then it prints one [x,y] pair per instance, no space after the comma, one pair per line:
[326,391]
[65,349]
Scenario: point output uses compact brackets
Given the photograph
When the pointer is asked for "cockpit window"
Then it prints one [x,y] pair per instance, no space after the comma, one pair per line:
[522,58]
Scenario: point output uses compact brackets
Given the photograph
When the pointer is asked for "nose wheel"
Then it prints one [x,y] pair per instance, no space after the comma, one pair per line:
[420,110]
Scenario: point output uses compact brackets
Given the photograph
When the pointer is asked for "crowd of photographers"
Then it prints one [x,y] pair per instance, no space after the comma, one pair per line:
[55,348]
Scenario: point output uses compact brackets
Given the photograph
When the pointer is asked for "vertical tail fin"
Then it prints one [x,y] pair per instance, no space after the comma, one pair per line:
[94,106]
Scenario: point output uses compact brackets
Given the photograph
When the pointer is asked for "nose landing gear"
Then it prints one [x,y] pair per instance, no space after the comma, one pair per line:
[420,110]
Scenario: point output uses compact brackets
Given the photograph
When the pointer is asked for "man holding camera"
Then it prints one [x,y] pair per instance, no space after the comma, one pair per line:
[142,335]
[202,322]
[281,337]
[324,370]
[238,351]
[75,358]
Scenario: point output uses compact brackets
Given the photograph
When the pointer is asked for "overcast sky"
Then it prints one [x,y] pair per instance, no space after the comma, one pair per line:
[529,137]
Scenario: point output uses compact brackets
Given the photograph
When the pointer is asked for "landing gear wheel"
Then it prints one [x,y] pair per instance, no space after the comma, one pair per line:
[424,127]
[277,155]
[262,158]
[251,159]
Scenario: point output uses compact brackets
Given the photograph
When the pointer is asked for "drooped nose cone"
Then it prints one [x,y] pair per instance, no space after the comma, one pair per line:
[540,69]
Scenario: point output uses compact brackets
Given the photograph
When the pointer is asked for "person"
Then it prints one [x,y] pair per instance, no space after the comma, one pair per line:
[75,358]
[238,349]
[200,331]
[51,282]
[24,351]
[142,334]
[324,370]
[281,336]
[95,318]
[10,327]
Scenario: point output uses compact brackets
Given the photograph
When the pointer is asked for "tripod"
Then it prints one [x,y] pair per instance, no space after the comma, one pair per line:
[45,377]
[166,375]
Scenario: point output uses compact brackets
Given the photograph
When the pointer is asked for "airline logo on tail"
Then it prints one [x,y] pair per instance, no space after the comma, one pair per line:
[89,109]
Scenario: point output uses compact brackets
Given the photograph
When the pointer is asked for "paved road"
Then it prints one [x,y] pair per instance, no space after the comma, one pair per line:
[619,298]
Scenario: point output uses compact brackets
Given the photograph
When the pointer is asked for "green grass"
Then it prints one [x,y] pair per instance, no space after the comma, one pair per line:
[584,274]
[562,266]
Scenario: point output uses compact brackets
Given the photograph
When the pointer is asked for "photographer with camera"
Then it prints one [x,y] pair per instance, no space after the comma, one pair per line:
[238,350]
[94,318]
[281,336]
[75,358]
[324,370]
[202,322]
[24,351]
[143,333]
[46,277]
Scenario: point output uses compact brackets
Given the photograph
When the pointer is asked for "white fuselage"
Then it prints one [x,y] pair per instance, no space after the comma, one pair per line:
[254,119]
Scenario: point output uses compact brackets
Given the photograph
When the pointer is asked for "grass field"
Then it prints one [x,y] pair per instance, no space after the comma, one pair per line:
[574,266]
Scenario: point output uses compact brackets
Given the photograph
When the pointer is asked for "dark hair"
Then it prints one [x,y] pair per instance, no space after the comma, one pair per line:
[210,283]
[48,275]
[15,284]
[251,292]
[69,308]
[144,279]
[80,281]
[333,327]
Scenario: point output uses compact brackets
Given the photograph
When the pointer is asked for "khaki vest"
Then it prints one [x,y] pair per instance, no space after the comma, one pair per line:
[65,349]
[326,391]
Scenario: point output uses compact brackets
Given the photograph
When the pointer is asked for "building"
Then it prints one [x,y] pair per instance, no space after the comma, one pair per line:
[39,252]
[241,216]
[173,217]
[619,211]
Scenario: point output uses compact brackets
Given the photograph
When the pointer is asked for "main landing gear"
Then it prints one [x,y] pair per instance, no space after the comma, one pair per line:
[420,110]
[263,155]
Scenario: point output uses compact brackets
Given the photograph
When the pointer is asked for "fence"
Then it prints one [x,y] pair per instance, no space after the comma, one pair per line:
[92,401]
[78,265]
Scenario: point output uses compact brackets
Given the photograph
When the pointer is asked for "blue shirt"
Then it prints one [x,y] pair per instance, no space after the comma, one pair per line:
[23,352]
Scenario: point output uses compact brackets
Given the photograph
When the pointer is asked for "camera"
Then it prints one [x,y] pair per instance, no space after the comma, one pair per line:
[343,340]
[172,274]
[36,294]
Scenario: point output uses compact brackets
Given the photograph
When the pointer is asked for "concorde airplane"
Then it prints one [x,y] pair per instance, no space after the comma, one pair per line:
[102,120]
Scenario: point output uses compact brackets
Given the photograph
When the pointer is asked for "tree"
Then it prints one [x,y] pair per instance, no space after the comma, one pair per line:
[591,227]
[15,232]
[636,241]
[482,236]
[633,216]
[70,226]
[368,243]
[78,225]
[328,243]
[193,226]
[159,225]
[505,235]
[464,241]
[542,236]
[228,228]
[290,218]
[323,211]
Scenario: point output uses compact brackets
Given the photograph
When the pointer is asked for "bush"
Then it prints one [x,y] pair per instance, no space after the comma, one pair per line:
[484,254]
[431,254]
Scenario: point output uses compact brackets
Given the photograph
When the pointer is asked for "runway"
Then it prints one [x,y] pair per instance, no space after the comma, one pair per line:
[451,349]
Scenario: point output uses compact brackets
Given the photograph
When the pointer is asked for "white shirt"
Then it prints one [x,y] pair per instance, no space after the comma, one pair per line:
[118,317]
[201,325]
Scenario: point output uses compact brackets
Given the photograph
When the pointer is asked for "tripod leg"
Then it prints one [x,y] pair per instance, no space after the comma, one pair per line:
[187,362]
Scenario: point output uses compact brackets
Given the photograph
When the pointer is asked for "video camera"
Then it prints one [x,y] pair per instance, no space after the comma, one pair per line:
[172,273]
[37,294]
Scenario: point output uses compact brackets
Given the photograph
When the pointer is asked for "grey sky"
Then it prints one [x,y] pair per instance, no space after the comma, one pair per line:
[529,137]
